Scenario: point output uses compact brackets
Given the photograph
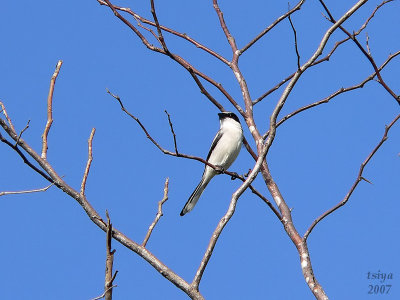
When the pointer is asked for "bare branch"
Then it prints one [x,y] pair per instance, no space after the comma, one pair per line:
[225,219]
[204,91]
[184,63]
[334,94]
[159,213]
[184,36]
[276,22]
[93,214]
[14,136]
[22,131]
[305,66]
[96,218]
[295,41]
[104,294]
[228,35]
[160,35]
[326,58]
[356,182]
[177,154]
[4,111]
[26,192]
[50,109]
[366,54]
[165,151]
[89,161]
[108,284]
[290,229]
[172,131]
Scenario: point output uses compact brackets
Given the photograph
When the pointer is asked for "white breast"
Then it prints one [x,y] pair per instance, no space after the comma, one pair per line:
[228,147]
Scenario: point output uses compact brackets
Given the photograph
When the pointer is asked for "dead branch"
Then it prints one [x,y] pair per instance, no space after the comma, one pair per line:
[50,109]
[159,213]
[356,182]
[89,161]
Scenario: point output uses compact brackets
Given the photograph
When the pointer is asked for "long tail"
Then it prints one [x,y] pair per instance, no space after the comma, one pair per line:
[195,196]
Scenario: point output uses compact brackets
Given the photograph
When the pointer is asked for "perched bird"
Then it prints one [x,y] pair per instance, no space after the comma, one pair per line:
[223,152]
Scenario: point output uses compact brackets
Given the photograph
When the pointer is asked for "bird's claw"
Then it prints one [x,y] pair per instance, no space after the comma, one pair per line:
[219,169]
[234,176]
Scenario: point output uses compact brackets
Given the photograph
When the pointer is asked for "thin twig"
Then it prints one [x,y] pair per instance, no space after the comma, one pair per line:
[356,182]
[159,213]
[172,131]
[49,110]
[4,111]
[165,151]
[22,131]
[276,22]
[103,295]
[89,161]
[26,192]
[224,27]
[10,131]
[295,42]
[204,91]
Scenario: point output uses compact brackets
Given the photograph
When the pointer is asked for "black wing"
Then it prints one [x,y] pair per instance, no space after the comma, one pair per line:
[214,143]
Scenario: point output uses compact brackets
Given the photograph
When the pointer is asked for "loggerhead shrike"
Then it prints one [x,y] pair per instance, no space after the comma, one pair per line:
[223,152]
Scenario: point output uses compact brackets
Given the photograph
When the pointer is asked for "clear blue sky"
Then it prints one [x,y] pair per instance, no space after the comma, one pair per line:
[51,250]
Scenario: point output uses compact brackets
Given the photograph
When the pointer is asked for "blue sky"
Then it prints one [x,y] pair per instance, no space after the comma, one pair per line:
[51,250]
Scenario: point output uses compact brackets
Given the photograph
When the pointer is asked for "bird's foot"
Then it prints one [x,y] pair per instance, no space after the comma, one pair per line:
[234,176]
[219,169]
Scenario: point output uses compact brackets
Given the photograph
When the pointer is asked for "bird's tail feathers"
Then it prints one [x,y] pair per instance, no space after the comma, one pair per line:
[194,197]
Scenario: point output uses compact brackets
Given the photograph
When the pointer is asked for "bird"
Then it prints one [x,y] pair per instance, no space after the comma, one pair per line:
[223,152]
